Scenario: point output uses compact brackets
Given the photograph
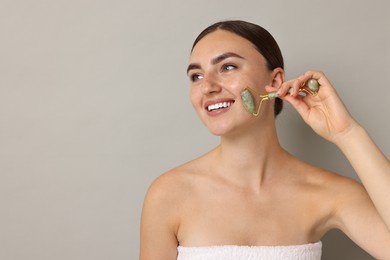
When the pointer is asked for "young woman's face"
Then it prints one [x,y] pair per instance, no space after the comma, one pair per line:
[221,65]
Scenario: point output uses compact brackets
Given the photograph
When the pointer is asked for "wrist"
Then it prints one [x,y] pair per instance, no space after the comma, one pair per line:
[350,136]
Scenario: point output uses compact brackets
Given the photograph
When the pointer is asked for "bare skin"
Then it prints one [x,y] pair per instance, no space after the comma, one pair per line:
[249,190]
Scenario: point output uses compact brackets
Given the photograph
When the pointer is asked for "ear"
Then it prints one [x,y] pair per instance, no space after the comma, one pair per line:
[277,77]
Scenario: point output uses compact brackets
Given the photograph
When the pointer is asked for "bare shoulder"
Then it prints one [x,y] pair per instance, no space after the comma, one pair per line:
[344,194]
[338,187]
[170,192]
[331,182]
[353,212]
[347,206]
[161,213]
[171,186]
[330,192]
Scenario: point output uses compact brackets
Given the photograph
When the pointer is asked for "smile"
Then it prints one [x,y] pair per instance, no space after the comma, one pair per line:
[220,105]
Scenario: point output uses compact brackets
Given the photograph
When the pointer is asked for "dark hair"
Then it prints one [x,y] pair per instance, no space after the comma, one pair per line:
[259,37]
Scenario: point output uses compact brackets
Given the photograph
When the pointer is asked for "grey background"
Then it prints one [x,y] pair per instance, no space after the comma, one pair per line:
[94,105]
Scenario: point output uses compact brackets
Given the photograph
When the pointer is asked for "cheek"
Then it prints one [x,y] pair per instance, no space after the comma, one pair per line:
[257,79]
[255,82]
[243,80]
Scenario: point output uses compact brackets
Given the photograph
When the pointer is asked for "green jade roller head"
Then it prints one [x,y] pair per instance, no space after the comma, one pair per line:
[249,102]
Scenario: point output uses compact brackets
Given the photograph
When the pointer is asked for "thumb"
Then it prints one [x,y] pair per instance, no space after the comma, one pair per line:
[269,88]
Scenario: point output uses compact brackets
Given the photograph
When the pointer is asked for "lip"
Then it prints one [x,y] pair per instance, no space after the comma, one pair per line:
[216,101]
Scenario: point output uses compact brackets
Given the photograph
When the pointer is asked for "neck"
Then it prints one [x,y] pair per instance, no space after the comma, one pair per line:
[249,158]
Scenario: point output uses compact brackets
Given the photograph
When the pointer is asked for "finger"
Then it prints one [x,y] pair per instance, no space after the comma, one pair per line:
[298,104]
[295,86]
[289,87]
[318,75]
[270,88]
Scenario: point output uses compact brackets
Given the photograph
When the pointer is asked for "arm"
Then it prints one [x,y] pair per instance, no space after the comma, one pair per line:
[328,117]
[158,224]
[356,216]
[372,167]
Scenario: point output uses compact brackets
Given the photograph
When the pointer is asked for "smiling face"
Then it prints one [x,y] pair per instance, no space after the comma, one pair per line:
[221,65]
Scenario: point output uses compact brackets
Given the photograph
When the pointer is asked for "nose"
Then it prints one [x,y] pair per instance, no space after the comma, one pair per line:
[210,85]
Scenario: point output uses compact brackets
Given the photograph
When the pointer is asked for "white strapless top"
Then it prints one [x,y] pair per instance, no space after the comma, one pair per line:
[295,252]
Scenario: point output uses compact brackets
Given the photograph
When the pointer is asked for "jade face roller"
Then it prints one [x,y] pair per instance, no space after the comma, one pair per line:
[250,104]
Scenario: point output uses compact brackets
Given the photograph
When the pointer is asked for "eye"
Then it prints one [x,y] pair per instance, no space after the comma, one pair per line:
[228,67]
[195,77]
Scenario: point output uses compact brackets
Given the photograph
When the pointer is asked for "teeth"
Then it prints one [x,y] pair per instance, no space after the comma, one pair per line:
[218,106]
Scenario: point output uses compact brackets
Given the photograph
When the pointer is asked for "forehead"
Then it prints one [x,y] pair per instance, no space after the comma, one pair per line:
[222,41]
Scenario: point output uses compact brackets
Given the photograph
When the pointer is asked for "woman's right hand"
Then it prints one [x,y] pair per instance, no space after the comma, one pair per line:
[324,112]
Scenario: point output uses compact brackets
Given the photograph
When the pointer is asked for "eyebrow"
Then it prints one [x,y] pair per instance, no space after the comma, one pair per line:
[215,61]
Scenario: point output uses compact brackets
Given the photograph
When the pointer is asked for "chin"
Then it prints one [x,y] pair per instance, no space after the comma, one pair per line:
[216,130]
[220,130]
[216,133]
[224,127]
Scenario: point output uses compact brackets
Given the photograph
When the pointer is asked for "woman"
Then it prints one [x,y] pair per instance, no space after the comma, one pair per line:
[248,198]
